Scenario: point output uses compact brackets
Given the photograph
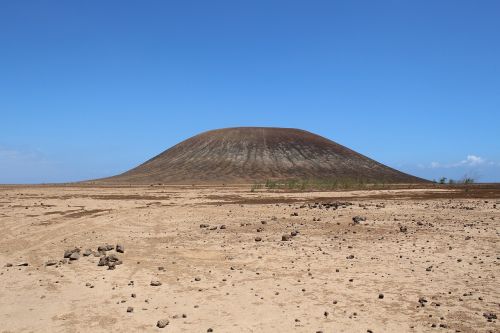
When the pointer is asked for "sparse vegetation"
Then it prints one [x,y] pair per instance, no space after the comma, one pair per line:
[318,184]
[465,180]
[255,186]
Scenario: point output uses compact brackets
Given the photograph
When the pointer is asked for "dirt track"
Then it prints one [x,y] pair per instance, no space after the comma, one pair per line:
[333,276]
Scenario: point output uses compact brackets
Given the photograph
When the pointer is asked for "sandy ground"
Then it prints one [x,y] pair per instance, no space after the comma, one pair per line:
[333,276]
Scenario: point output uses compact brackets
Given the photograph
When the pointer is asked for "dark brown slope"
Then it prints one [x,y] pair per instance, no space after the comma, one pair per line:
[249,154]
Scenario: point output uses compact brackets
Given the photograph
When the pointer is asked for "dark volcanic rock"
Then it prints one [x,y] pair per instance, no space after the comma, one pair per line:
[358,219]
[104,248]
[68,253]
[162,323]
[271,153]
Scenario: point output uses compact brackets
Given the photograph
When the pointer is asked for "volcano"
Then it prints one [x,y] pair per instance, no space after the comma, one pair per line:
[256,154]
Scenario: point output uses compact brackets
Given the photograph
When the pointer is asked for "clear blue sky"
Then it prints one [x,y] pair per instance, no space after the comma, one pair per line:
[92,88]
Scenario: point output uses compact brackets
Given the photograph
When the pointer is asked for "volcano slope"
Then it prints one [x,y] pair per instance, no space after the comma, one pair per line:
[252,154]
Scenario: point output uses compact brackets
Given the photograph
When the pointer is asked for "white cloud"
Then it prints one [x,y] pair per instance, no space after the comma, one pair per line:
[470,161]
[435,165]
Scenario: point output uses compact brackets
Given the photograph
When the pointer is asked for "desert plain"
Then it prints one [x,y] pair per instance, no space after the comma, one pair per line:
[228,259]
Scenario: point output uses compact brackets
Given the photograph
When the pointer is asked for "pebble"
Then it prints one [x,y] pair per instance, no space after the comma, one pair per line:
[120,248]
[358,219]
[162,323]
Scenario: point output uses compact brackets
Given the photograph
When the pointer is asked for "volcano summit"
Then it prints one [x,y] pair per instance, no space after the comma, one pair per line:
[250,154]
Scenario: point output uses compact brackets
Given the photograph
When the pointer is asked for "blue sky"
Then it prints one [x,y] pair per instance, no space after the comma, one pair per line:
[92,88]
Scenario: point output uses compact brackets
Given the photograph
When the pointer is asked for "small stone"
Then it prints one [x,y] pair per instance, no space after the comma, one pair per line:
[103,261]
[258,239]
[422,301]
[51,263]
[68,253]
[74,256]
[286,238]
[358,219]
[113,258]
[104,248]
[155,283]
[380,296]
[162,323]
[120,248]
[130,309]
[490,316]
[87,252]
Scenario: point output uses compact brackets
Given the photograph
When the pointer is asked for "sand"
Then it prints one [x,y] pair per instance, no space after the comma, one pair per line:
[333,276]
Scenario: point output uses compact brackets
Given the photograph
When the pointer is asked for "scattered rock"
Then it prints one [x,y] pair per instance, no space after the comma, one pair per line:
[120,248]
[155,283]
[286,238]
[103,261]
[68,253]
[104,248]
[422,301]
[490,316]
[358,219]
[51,263]
[162,323]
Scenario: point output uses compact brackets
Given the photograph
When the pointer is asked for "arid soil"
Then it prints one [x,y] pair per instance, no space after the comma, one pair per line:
[198,259]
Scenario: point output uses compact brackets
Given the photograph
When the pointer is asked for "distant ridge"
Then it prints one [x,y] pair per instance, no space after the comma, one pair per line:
[251,154]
